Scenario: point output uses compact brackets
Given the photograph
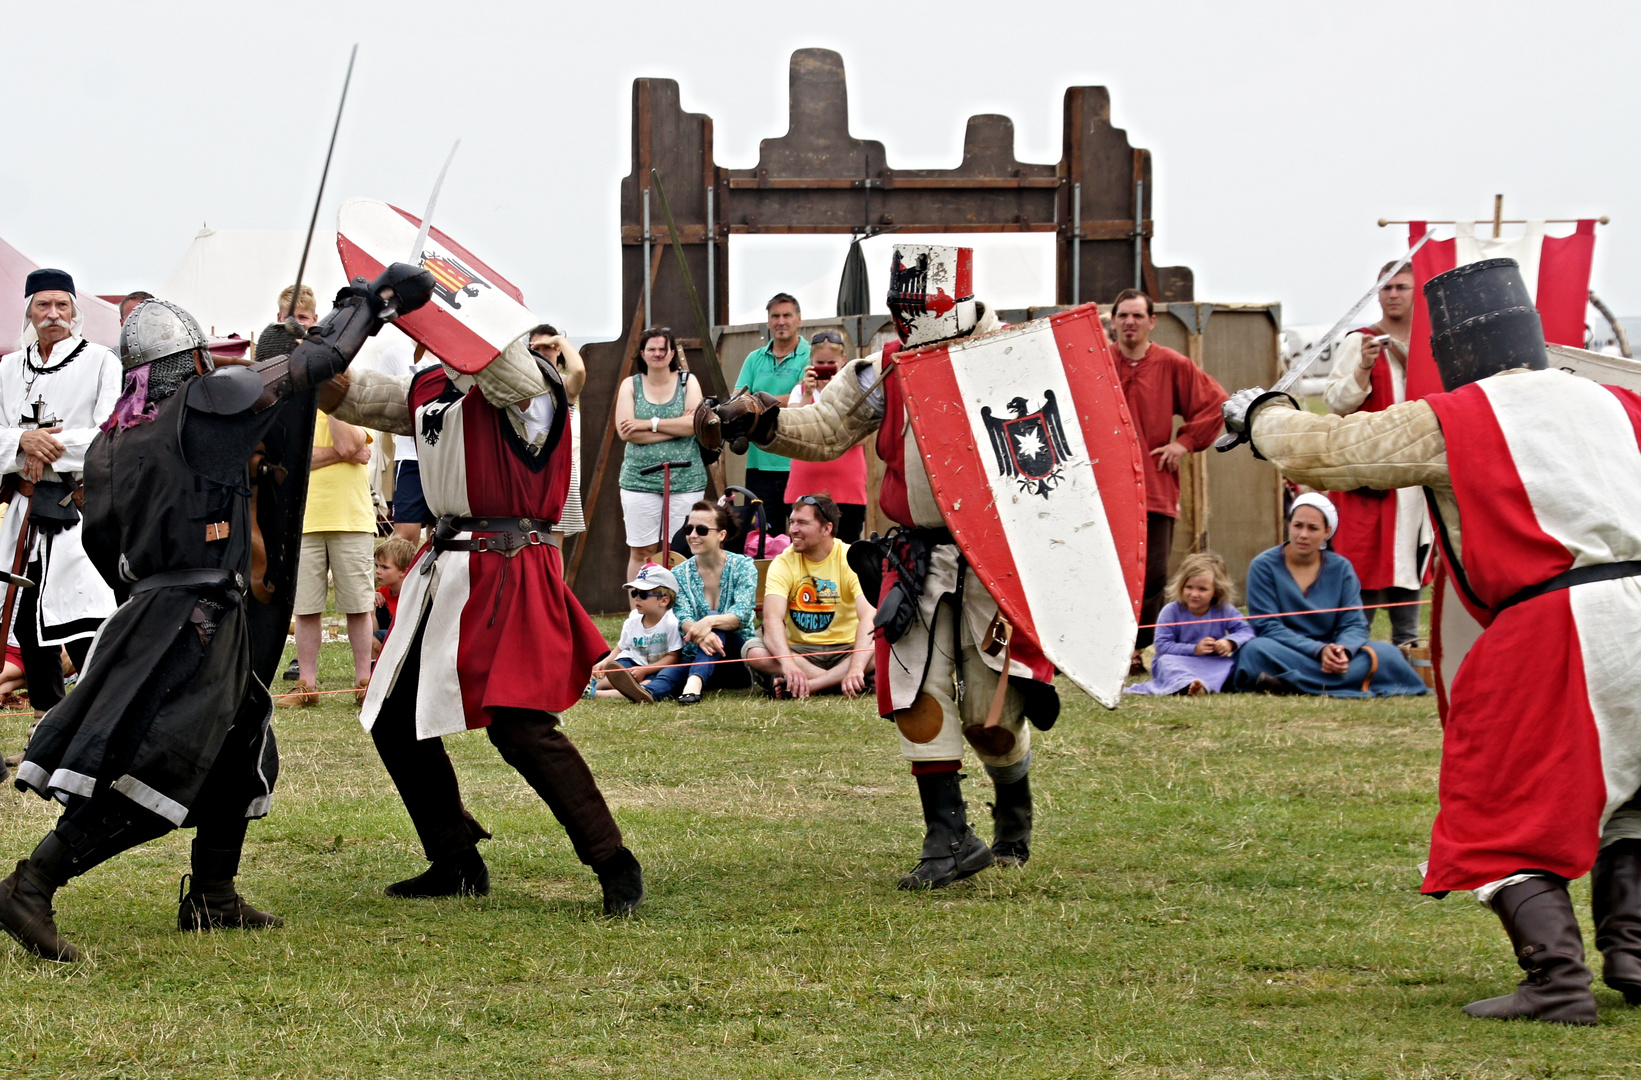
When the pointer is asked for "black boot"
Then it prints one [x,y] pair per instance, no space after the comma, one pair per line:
[623,882]
[213,903]
[1011,822]
[1615,905]
[462,874]
[951,851]
[25,901]
[1538,916]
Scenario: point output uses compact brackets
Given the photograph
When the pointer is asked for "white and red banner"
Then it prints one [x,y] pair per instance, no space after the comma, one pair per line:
[1038,471]
[475,313]
[1555,268]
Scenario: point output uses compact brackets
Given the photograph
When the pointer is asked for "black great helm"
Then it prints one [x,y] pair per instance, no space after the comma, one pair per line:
[1482,322]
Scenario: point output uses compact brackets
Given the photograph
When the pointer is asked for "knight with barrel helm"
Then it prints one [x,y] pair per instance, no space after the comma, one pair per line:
[935,677]
[1534,479]
[169,726]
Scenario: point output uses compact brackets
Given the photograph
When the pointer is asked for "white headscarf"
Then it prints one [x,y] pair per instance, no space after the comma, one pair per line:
[30,335]
[1315,498]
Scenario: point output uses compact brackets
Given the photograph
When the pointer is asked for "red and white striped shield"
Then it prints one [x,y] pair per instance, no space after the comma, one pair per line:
[1033,458]
[475,313]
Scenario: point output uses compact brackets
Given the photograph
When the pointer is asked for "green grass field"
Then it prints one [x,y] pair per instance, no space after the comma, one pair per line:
[1219,888]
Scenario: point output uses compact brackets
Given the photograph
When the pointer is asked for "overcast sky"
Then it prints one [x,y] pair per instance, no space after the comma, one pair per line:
[1280,133]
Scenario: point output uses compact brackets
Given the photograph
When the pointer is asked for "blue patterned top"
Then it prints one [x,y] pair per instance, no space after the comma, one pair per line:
[737,593]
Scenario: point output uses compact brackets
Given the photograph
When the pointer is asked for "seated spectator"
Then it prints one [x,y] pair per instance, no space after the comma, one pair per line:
[817,624]
[393,558]
[12,678]
[1197,631]
[716,593]
[1320,649]
[845,478]
[650,646]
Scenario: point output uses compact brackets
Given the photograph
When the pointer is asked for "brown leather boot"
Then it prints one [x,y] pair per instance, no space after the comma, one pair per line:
[1538,916]
[1615,905]
[25,903]
[217,905]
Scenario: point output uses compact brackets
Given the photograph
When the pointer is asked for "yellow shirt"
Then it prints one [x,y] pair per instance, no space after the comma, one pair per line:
[338,495]
[820,596]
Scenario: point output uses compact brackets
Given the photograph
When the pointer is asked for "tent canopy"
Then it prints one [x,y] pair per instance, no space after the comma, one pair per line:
[102,319]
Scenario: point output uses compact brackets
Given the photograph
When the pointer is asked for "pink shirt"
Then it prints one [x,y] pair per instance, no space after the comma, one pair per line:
[844,479]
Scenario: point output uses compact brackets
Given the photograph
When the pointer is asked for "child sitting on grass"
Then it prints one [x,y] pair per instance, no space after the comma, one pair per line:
[1197,632]
[393,558]
[645,666]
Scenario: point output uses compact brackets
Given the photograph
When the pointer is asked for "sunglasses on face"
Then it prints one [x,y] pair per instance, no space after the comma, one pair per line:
[826,336]
[698,530]
[638,594]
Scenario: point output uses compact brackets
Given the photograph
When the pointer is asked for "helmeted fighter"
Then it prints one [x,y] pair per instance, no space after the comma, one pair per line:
[1534,479]
[168,726]
[936,679]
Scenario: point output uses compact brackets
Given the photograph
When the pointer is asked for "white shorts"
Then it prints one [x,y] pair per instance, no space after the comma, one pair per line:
[642,511]
[350,557]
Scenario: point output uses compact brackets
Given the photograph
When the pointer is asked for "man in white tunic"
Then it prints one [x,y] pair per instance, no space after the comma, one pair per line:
[55,393]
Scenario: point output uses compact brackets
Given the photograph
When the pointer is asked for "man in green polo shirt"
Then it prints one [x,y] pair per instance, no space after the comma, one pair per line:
[774,369]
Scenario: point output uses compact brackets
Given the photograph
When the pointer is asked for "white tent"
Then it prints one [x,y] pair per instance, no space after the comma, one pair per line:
[230,280]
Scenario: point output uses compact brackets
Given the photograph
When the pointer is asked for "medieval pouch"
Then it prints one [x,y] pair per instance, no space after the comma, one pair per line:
[906,552]
[52,507]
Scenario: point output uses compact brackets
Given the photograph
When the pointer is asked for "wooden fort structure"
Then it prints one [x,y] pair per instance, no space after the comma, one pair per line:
[819,179]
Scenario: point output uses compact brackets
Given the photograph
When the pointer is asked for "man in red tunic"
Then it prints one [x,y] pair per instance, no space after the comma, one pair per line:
[1535,478]
[1385,534]
[1159,384]
[488,596]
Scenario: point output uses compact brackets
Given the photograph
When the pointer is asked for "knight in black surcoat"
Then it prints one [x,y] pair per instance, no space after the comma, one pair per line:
[169,725]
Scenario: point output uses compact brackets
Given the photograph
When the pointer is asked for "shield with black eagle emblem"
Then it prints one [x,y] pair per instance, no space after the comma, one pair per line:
[1035,463]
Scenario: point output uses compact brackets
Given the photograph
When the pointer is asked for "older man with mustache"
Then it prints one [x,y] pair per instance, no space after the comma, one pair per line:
[55,392]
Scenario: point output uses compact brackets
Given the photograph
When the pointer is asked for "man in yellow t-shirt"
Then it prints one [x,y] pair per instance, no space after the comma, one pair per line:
[339,541]
[817,625]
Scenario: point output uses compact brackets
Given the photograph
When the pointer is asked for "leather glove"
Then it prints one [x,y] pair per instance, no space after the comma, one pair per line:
[411,288]
[1238,412]
[744,417]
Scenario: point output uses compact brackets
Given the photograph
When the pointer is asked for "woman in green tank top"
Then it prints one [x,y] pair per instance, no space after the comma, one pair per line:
[654,415]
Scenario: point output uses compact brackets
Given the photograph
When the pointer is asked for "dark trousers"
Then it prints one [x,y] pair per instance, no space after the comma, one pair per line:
[43,664]
[529,740]
[770,486]
[1159,542]
[1404,620]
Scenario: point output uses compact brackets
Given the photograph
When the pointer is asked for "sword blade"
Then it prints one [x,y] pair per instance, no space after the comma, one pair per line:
[432,201]
[302,267]
[1310,356]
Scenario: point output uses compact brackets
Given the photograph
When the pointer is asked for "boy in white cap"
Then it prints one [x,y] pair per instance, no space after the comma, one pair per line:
[644,667]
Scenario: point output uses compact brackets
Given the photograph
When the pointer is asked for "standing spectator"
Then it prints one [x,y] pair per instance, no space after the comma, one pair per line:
[132,299]
[54,395]
[556,349]
[774,369]
[844,479]
[338,539]
[1384,534]
[717,591]
[817,629]
[410,513]
[654,415]
[1159,384]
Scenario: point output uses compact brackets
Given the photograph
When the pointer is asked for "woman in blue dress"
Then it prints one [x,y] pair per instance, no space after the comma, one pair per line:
[1318,650]
[717,591]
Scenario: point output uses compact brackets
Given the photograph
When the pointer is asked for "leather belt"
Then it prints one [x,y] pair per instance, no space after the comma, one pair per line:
[1578,575]
[507,535]
[176,579]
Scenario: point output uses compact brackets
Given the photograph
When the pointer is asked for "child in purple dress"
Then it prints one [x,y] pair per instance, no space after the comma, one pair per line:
[1198,631]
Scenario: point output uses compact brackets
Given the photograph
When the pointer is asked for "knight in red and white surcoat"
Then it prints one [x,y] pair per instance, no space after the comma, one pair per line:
[1534,477]
[936,680]
[488,635]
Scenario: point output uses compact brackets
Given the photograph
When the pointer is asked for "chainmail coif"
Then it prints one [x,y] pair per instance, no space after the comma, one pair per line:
[167,373]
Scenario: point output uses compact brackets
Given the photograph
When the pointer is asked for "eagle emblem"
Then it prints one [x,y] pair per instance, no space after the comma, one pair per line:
[1031,447]
[452,280]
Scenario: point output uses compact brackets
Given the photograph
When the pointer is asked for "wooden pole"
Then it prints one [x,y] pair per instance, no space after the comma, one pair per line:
[1498,214]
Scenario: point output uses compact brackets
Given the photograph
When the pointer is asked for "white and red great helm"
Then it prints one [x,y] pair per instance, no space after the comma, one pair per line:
[931,293]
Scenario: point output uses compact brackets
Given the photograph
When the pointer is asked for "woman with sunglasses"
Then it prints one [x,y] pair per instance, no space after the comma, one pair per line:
[843,478]
[654,415]
[716,593]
